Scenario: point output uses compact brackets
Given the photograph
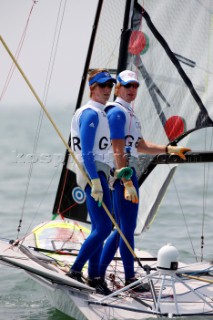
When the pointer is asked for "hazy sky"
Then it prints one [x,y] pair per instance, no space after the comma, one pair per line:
[34,56]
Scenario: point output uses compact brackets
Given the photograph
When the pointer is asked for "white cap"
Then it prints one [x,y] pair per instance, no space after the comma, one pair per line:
[127,76]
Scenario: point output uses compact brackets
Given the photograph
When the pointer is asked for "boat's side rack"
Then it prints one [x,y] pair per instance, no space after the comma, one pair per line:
[166,279]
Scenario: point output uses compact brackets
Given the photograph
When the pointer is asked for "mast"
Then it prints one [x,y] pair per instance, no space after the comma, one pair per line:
[66,175]
[89,54]
[125,35]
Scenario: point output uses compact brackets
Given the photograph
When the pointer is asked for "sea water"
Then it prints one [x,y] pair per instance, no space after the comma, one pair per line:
[184,216]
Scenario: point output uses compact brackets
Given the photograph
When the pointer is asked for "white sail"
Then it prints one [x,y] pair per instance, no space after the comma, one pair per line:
[169,45]
[175,95]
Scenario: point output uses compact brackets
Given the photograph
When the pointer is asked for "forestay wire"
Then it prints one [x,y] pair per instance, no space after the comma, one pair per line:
[18,51]
[5,87]
[53,53]
[57,32]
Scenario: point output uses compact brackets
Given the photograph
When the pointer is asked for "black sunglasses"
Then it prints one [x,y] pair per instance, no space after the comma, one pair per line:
[131,85]
[106,84]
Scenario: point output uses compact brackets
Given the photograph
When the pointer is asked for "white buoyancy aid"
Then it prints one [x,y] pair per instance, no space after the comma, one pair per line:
[102,149]
[132,128]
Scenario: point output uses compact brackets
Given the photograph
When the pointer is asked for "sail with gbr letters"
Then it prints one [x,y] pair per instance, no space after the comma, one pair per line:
[169,45]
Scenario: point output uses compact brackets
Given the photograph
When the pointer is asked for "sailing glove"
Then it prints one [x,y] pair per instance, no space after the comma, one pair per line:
[97,191]
[179,151]
[130,192]
[125,172]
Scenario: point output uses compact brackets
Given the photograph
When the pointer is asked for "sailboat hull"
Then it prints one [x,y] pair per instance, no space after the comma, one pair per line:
[172,293]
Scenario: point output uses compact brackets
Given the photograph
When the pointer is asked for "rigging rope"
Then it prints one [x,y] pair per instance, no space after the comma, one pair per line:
[205,192]
[44,99]
[7,82]
[18,51]
[182,211]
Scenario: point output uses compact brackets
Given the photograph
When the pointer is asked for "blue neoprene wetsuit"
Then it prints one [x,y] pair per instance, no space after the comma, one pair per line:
[87,135]
[125,211]
[101,225]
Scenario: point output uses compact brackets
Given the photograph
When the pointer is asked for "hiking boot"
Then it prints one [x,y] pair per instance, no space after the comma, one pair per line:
[100,285]
[144,287]
[76,275]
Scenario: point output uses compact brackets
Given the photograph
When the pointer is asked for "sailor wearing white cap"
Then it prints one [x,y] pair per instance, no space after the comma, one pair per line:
[126,136]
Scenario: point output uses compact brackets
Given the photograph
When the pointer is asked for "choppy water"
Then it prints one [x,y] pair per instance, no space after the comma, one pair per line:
[182,213]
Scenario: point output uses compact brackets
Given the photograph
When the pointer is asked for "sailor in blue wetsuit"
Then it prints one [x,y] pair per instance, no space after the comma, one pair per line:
[125,131]
[91,145]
